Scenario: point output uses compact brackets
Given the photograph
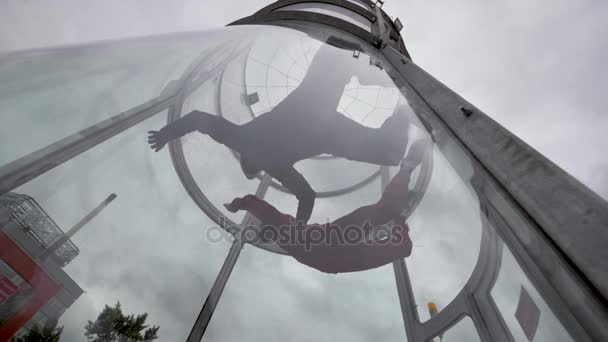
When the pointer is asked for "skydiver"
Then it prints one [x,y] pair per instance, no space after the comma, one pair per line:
[337,257]
[305,124]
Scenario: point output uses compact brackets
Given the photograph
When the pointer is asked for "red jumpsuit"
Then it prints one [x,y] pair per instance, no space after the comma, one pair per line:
[338,257]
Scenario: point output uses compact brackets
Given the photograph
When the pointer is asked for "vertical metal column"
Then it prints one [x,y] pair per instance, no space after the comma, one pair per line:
[202,322]
[560,245]
[404,286]
[204,317]
[198,330]
[407,301]
[24,169]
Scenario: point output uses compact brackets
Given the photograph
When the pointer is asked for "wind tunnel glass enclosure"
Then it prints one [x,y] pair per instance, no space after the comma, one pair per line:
[159,246]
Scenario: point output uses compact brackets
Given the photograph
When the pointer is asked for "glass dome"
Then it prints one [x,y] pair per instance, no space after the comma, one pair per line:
[79,117]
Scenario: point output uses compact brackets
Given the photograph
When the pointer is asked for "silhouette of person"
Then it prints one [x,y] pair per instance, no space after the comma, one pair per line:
[305,124]
[338,256]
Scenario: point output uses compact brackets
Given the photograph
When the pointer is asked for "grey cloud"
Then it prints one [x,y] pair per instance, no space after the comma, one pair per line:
[536,68]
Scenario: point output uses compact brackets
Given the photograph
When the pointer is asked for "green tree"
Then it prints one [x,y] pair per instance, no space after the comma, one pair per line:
[114,326]
[49,333]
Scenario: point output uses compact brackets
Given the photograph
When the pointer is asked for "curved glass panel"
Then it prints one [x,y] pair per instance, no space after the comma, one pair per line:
[446,231]
[152,249]
[276,66]
[284,299]
[147,249]
[524,310]
[81,86]
[278,71]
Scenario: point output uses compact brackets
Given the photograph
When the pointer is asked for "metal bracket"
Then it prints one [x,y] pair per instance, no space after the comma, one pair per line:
[375,5]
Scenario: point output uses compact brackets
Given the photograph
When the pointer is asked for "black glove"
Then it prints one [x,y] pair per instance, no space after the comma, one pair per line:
[157,139]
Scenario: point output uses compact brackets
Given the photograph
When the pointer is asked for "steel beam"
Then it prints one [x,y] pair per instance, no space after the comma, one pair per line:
[525,188]
[404,286]
[573,218]
[24,169]
[203,319]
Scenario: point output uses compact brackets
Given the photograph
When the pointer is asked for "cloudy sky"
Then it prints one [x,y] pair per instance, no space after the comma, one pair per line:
[537,68]
[525,64]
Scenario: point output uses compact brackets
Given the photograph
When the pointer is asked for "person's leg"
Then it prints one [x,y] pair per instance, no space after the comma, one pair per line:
[383,146]
[218,128]
[395,195]
[371,214]
[397,125]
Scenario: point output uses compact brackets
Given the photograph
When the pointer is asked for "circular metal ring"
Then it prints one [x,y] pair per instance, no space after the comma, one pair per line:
[183,171]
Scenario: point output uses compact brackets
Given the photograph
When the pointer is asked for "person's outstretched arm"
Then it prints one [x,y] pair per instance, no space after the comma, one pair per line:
[218,128]
[297,184]
[259,208]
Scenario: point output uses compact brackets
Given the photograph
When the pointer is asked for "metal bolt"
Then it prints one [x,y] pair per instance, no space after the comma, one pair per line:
[466,111]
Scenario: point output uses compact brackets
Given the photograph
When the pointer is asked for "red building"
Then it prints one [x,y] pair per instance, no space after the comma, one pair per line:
[32,291]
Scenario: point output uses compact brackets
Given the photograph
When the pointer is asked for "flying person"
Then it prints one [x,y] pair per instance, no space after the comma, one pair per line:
[305,124]
[339,256]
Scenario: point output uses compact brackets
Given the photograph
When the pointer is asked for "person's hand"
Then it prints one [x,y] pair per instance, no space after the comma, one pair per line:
[415,154]
[157,140]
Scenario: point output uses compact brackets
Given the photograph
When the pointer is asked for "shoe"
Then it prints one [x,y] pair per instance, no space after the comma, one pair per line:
[249,169]
[230,207]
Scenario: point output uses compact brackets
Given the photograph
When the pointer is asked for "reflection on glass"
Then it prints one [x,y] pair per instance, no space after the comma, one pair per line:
[81,87]
[27,288]
[148,249]
[214,167]
[15,292]
[507,293]
[276,66]
[305,124]
[446,233]
[283,299]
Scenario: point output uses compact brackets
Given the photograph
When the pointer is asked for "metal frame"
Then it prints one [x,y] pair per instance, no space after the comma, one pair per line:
[369,15]
[473,300]
[273,183]
[526,198]
[384,31]
[544,191]
[512,173]
[576,304]
[236,230]
[22,170]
